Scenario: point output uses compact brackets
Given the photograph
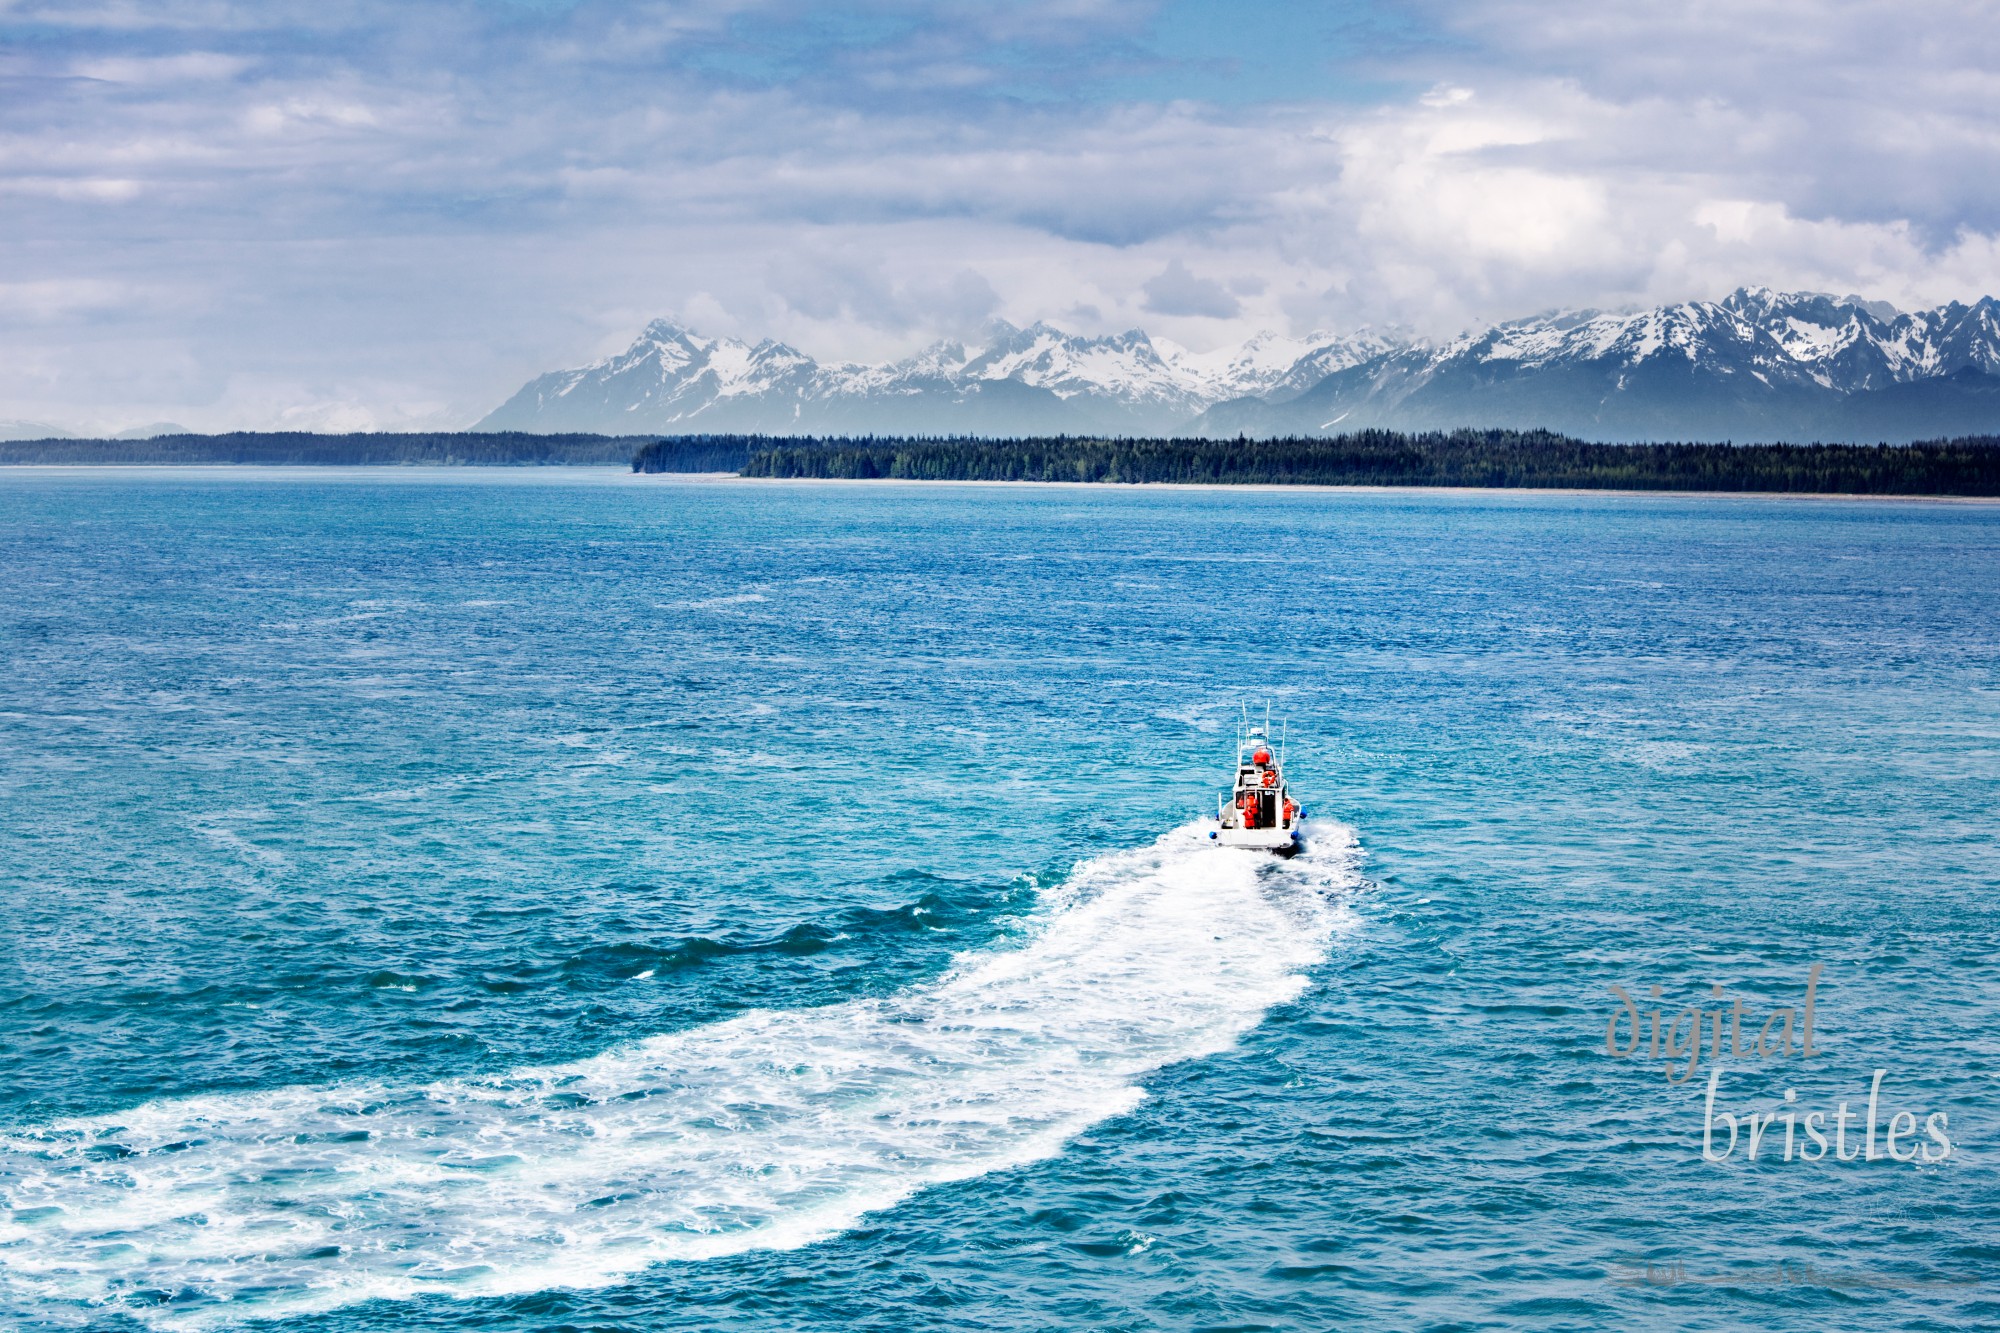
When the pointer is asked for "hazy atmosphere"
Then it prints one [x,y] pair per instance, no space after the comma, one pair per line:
[339,215]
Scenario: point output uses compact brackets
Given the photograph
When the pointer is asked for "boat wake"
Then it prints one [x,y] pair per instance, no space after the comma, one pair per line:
[770,1130]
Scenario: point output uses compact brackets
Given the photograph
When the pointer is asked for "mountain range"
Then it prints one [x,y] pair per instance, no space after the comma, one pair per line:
[1757,365]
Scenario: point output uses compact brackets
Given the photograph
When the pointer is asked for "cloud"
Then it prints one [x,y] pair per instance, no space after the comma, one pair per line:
[86,189]
[826,287]
[407,208]
[187,67]
[1865,109]
[58,299]
[1176,291]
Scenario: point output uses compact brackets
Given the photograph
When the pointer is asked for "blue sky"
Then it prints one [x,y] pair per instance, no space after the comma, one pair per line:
[352,213]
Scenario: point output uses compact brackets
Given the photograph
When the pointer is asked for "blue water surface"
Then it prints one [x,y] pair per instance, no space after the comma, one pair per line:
[374,781]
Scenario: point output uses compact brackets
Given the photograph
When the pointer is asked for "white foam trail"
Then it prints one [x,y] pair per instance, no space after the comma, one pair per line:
[766,1131]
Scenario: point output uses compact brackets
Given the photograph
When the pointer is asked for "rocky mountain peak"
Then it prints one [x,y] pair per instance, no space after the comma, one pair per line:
[1758,363]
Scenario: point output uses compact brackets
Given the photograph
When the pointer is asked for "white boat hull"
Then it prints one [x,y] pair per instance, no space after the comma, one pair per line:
[1283,841]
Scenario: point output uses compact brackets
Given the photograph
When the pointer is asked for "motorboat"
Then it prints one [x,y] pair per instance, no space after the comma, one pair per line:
[1258,812]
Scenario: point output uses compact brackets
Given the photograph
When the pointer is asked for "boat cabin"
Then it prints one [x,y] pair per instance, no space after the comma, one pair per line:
[1259,811]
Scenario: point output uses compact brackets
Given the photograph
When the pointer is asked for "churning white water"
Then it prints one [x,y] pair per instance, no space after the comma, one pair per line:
[769,1130]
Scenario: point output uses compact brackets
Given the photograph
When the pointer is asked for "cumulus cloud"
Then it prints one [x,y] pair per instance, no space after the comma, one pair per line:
[1869,110]
[404,209]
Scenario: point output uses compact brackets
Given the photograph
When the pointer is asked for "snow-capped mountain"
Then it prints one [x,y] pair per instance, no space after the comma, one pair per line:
[1756,365]
[1126,367]
[1845,344]
[670,374]
[32,430]
[1272,363]
[1016,380]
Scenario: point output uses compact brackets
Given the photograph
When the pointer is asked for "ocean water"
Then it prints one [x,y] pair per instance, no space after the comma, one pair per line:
[560,900]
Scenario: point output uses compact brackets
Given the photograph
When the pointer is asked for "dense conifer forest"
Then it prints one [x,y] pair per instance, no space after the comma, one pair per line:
[1476,458]
[1484,458]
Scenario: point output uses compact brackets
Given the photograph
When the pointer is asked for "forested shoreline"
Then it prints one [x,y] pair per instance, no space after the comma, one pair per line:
[1967,466]
[1468,458]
